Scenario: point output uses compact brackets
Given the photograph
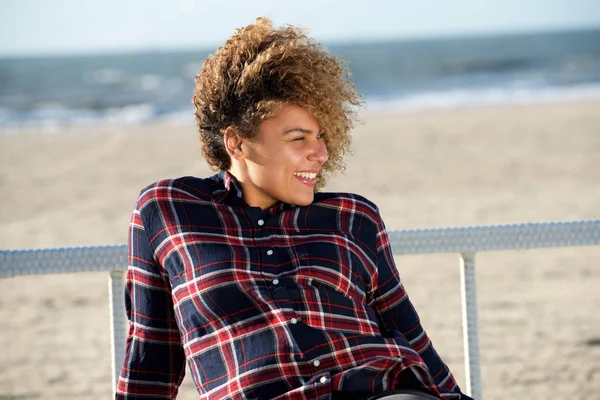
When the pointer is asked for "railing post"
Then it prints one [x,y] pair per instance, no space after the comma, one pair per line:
[116,284]
[470,332]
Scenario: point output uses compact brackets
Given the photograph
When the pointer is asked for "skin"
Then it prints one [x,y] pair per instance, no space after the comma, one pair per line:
[267,165]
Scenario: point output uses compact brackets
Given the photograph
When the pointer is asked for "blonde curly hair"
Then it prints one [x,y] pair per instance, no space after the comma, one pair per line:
[256,71]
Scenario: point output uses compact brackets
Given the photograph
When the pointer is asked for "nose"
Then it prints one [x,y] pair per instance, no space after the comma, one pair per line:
[318,152]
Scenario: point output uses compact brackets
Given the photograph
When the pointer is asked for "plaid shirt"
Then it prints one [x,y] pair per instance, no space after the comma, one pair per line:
[286,303]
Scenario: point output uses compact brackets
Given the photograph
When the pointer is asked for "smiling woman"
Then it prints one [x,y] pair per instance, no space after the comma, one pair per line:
[259,69]
[269,288]
[282,162]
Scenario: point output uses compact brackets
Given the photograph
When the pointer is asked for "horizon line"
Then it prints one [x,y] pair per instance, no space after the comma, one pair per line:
[334,42]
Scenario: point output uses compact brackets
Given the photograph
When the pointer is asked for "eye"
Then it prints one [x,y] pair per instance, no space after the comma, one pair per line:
[321,135]
[298,138]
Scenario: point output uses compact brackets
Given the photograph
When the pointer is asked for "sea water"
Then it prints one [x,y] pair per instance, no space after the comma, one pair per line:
[134,88]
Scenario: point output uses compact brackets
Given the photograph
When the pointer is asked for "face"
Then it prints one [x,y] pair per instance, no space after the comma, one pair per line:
[282,161]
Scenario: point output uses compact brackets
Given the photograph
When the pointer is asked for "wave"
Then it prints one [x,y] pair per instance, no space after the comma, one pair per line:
[55,116]
[483,97]
[488,66]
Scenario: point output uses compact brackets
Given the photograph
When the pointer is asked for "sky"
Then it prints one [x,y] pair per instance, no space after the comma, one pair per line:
[30,27]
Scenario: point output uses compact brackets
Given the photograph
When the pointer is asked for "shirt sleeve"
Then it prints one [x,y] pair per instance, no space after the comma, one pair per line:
[154,363]
[396,313]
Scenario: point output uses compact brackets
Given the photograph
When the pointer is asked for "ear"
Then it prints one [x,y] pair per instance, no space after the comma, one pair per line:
[233,143]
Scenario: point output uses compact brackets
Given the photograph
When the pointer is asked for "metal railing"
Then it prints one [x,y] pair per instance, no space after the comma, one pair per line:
[466,241]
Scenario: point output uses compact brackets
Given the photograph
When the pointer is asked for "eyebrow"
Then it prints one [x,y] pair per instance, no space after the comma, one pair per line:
[297,129]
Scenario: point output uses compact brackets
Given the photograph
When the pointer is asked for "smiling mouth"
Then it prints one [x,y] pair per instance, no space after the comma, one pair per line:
[306,175]
[308,178]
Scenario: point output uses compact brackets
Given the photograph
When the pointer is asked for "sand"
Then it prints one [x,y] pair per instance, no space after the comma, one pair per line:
[538,310]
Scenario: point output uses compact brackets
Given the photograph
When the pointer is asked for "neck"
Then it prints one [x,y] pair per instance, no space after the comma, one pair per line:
[251,194]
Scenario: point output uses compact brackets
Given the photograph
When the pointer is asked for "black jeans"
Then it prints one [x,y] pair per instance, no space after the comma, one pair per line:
[406,394]
[411,389]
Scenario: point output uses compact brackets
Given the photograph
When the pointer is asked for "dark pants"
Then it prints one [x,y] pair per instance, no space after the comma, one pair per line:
[411,390]
[406,394]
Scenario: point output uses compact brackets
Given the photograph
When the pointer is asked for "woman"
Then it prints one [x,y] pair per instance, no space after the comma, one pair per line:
[269,288]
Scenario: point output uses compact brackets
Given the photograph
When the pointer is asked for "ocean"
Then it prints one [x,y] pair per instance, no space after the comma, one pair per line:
[136,88]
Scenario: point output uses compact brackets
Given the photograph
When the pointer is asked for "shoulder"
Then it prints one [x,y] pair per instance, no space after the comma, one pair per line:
[349,203]
[342,199]
[187,188]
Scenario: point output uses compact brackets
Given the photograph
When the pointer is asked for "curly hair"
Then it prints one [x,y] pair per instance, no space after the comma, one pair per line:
[260,68]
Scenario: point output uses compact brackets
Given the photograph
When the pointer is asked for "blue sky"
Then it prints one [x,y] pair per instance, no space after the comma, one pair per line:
[75,26]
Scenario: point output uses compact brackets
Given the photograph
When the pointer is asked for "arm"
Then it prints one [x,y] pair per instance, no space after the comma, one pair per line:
[396,312]
[154,361]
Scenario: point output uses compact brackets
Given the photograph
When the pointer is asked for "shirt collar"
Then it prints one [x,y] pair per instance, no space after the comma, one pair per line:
[229,192]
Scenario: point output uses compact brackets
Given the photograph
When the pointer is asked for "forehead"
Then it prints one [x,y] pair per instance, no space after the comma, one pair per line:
[289,116]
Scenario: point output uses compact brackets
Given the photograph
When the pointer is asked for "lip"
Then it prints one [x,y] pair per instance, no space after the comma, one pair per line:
[314,171]
[306,181]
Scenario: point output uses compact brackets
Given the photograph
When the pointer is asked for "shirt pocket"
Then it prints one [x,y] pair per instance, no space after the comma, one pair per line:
[322,308]
[334,261]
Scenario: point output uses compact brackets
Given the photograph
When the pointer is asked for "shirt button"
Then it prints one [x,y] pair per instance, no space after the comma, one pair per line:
[323,379]
[316,363]
[261,222]
[269,252]
[294,320]
[275,281]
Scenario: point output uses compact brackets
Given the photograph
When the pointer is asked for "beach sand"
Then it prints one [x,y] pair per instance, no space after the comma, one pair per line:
[538,310]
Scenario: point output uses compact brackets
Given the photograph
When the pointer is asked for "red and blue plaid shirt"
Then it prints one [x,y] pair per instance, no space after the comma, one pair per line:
[285,303]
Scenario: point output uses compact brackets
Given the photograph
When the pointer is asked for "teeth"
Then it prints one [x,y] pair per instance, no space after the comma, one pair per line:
[306,175]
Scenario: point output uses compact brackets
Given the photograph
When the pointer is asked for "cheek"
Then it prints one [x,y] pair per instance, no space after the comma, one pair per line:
[287,160]
[271,172]
[279,161]
[296,158]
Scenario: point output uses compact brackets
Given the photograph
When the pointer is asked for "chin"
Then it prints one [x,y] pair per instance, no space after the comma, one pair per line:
[303,200]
